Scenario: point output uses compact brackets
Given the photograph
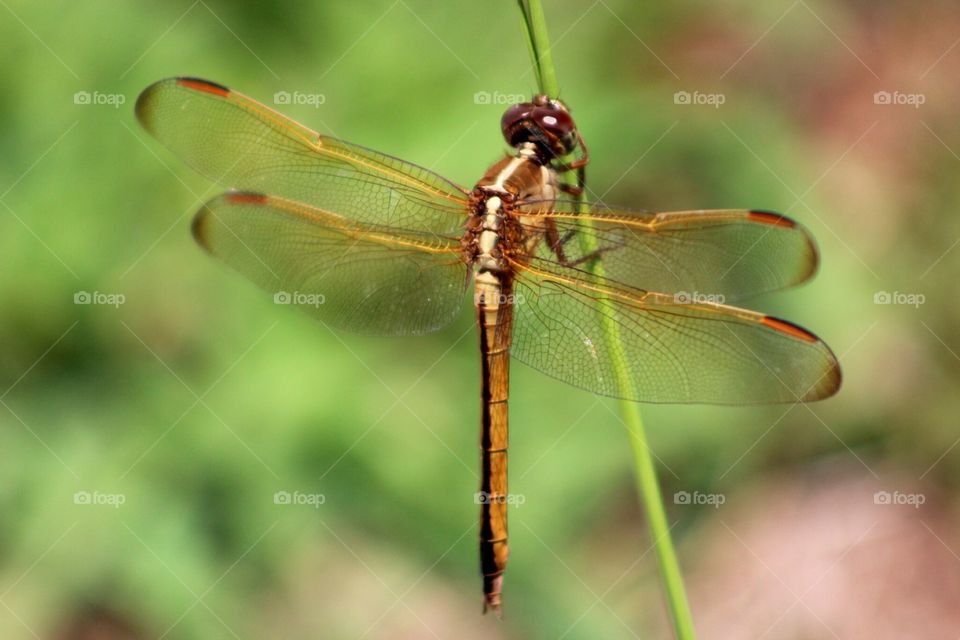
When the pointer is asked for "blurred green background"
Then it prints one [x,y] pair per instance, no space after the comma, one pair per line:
[143,443]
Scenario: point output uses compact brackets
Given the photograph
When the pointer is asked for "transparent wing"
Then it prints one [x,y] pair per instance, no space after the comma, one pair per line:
[245,145]
[675,353]
[359,278]
[713,256]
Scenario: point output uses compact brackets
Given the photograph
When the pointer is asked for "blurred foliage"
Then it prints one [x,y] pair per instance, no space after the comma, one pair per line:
[198,399]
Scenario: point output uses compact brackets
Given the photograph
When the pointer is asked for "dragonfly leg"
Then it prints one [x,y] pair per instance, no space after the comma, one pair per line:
[556,242]
[575,190]
[580,166]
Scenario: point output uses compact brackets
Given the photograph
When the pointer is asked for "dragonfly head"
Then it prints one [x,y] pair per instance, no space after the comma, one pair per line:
[545,122]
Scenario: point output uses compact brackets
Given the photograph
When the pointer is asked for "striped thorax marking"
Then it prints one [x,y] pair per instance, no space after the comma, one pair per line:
[489,238]
[505,174]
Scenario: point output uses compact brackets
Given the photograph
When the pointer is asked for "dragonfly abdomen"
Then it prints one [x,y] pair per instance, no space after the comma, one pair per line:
[494,319]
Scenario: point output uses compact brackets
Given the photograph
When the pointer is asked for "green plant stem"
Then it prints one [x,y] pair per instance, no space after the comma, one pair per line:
[536,27]
[647,484]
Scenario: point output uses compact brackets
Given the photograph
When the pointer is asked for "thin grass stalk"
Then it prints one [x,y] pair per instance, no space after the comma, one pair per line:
[648,486]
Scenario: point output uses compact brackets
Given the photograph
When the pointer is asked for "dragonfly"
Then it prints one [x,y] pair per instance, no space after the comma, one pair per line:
[622,303]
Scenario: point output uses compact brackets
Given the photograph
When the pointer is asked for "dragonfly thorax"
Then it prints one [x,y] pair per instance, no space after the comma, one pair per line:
[512,189]
[519,177]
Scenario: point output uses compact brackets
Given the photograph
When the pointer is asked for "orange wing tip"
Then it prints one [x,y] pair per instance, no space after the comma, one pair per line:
[204,85]
[828,384]
[246,197]
[200,228]
[789,328]
[830,380]
[144,100]
[770,217]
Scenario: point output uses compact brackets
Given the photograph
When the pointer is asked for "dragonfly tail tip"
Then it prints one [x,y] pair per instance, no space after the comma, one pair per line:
[491,596]
[490,605]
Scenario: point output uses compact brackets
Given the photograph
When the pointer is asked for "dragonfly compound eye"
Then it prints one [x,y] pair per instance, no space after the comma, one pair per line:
[558,128]
[514,123]
[545,123]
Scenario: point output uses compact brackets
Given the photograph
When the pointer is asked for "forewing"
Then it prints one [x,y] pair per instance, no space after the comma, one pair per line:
[245,145]
[705,256]
[356,277]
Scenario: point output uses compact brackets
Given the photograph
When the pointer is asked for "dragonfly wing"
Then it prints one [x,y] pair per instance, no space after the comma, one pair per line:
[672,353]
[356,277]
[245,145]
[712,256]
